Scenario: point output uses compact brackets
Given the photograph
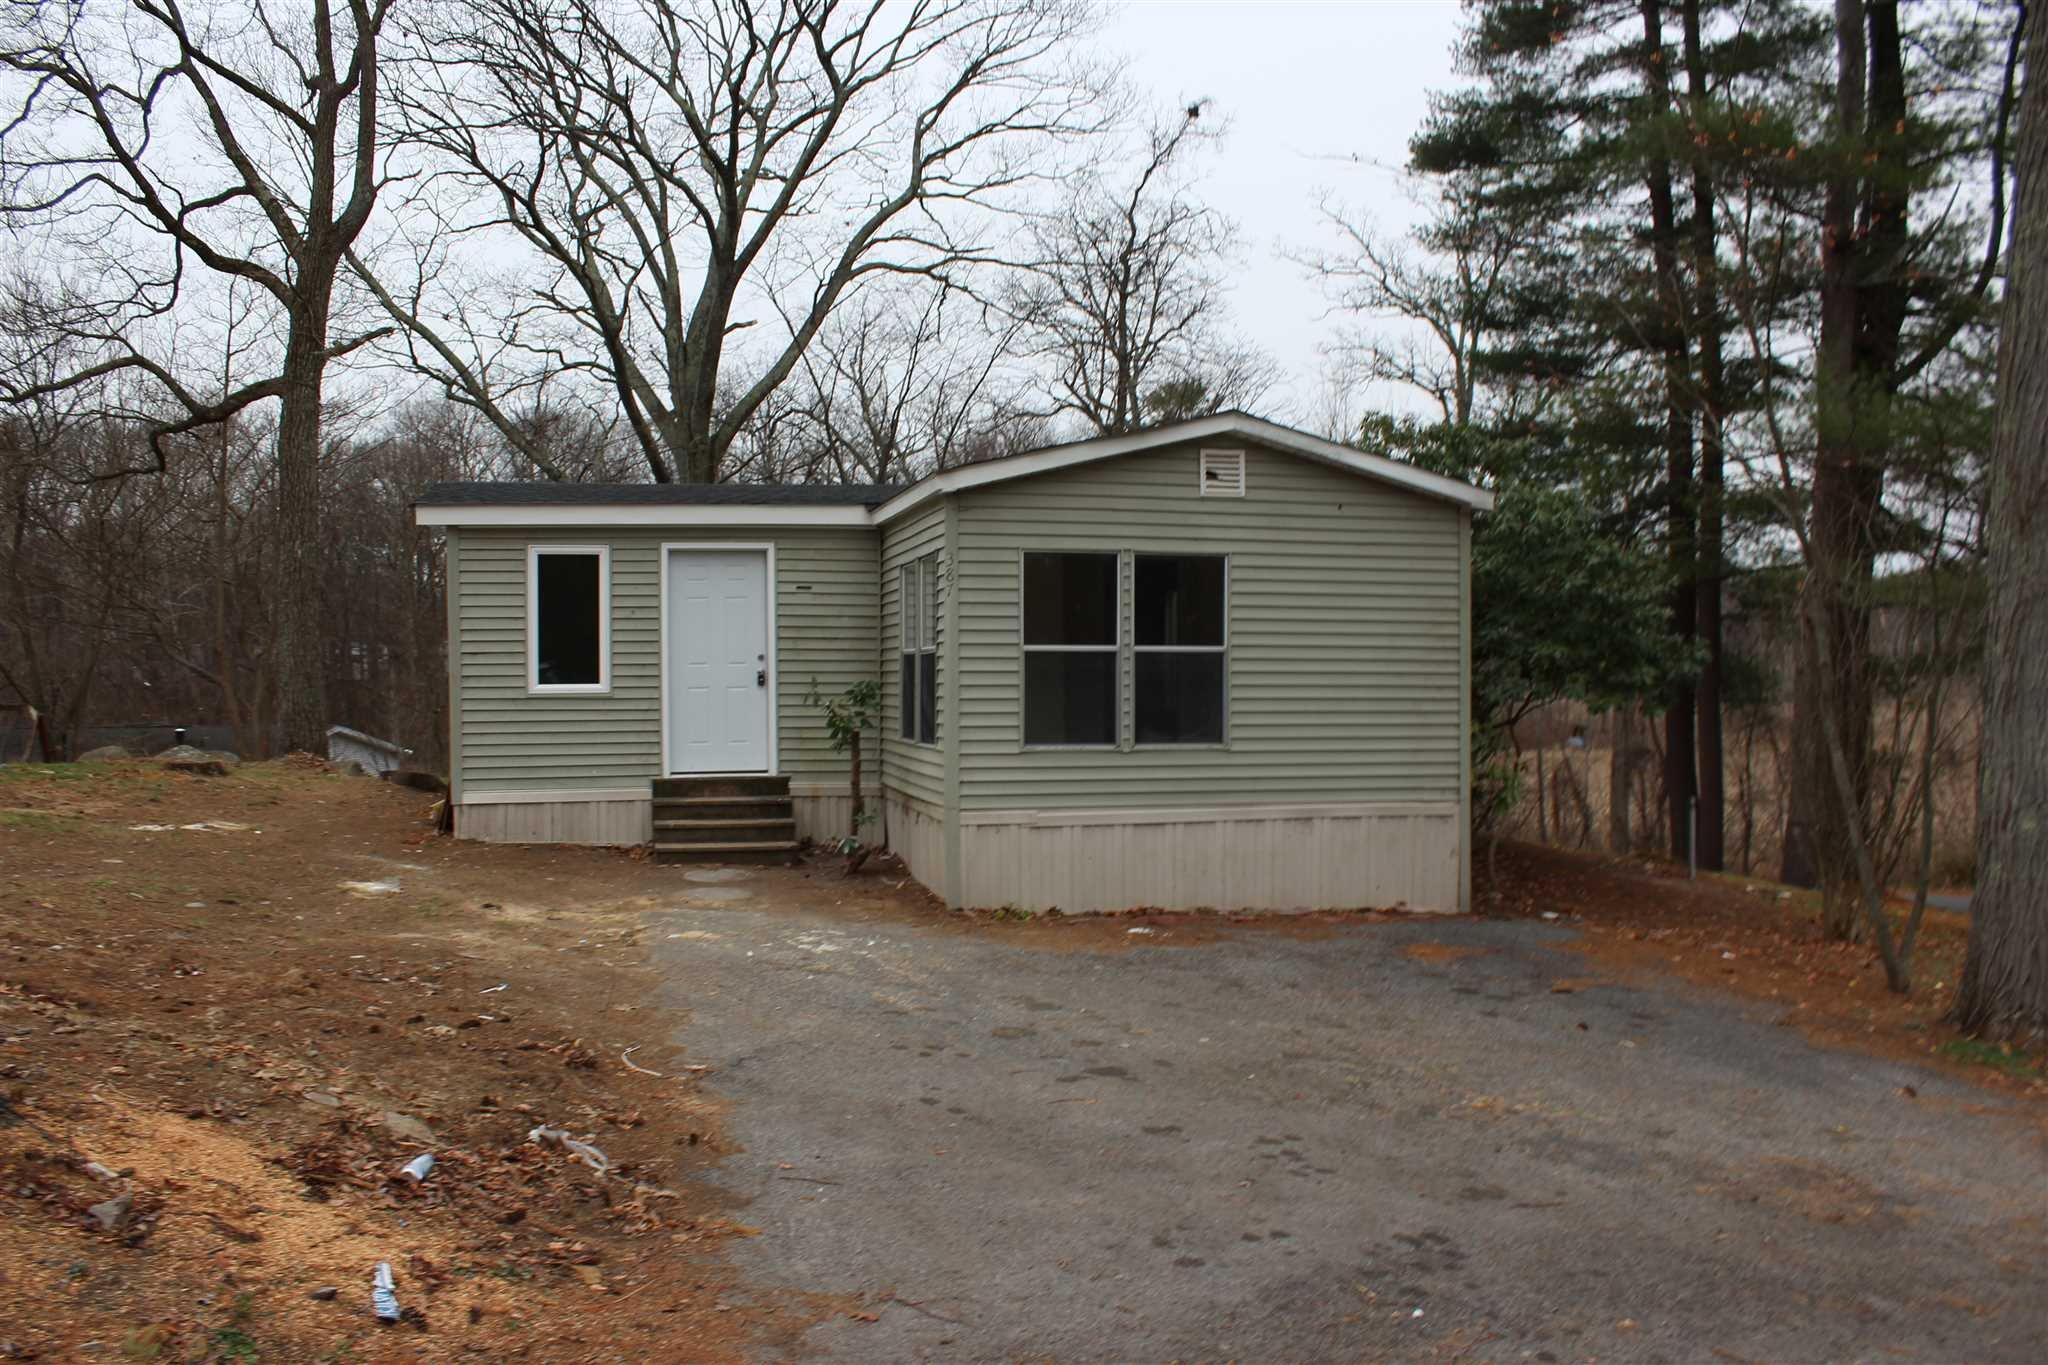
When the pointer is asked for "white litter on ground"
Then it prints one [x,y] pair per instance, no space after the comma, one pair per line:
[369,888]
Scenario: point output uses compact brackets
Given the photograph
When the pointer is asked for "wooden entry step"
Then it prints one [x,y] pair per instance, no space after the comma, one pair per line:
[724,818]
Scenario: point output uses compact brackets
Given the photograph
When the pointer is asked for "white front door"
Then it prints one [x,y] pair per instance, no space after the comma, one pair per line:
[718,682]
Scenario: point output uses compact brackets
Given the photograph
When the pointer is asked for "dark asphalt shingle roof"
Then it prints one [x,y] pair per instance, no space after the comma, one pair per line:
[544,493]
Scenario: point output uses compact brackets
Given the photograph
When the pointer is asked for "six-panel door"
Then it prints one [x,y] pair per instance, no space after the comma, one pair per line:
[718,683]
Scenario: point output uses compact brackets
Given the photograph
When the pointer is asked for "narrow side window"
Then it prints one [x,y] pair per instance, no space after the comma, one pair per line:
[568,618]
[917,610]
[928,650]
[906,678]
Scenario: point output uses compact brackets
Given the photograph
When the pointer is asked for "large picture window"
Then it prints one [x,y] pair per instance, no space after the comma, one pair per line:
[1178,647]
[1070,649]
[568,618]
[917,598]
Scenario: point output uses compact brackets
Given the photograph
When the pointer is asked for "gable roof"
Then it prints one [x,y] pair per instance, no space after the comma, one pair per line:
[540,503]
[1219,426]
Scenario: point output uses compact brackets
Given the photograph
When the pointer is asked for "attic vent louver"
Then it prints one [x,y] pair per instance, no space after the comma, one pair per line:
[1223,473]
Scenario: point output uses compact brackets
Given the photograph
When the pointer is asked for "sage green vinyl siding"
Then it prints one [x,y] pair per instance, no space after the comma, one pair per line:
[917,770]
[825,614]
[1344,631]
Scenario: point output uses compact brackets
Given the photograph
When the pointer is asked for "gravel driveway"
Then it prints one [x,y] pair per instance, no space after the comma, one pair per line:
[1385,1140]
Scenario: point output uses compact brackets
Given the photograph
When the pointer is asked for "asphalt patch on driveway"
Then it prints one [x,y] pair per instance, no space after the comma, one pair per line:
[1394,1140]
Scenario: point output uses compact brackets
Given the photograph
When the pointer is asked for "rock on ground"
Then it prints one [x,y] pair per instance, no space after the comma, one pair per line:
[106,753]
[186,759]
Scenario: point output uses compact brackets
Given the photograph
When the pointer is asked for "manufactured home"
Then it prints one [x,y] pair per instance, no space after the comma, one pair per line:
[1219,663]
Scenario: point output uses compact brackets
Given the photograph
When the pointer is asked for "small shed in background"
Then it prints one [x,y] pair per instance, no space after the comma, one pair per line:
[353,746]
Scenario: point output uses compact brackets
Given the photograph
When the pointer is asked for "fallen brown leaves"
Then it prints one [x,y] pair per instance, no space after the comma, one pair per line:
[1750,937]
[203,1025]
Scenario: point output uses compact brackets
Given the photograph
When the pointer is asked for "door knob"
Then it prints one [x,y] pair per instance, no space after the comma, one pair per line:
[761,678]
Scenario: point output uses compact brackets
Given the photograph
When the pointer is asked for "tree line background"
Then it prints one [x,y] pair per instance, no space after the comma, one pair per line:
[1707,291]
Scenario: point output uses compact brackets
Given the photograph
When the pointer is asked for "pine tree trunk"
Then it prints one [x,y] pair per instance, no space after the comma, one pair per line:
[1710,401]
[301,665]
[1681,779]
[2004,988]
[1862,309]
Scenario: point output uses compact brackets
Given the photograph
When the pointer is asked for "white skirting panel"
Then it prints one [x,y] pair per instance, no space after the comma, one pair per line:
[823,811]
[918,836]
[557,821]
[1327,857]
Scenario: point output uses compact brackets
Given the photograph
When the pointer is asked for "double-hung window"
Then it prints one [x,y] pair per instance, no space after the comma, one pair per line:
[568,618]
[1071,644]
[917,599]
[1178,647]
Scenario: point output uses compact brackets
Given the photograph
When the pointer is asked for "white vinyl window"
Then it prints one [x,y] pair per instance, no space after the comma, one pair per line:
[1179,644]
[568,618]
[1072,694]
[917,607]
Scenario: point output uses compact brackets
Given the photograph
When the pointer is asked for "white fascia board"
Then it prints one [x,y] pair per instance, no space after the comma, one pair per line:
[725,515]
[1223,425]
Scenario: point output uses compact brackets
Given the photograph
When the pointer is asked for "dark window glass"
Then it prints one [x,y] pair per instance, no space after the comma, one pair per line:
[1069,599]
[908,694]
[1070,698]
[928,698]
[566,620]
[1180,698]
[1179,599]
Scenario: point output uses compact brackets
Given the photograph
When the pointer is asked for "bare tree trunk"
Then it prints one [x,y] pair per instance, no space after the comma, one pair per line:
[2004,987]
[301,671]
[1542,801]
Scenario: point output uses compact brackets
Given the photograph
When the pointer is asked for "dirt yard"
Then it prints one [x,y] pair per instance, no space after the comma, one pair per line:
[233,1008]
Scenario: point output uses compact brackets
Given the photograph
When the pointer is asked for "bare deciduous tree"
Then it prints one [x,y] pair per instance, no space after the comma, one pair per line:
[238,142]
[672,167]
[1454,290]
[1124,294]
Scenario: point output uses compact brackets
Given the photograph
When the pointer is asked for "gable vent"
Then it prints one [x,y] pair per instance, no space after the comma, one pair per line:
[1223,473]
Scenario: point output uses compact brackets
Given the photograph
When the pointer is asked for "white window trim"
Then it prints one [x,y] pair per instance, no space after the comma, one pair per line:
[1114,649]
[534,686]
[1223,649]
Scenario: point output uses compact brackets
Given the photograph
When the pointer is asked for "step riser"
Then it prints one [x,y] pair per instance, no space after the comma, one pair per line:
[720,786]
[762,808]
[766,832]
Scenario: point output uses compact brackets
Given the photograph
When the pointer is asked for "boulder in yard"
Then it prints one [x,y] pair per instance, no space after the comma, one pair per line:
[106,753]
[183,758]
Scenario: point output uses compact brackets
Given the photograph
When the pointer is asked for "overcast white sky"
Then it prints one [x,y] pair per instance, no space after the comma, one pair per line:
[1319,96]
